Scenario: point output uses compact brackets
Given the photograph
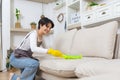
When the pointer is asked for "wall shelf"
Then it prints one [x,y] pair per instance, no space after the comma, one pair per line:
[43,1]
[26,30]
[60,6]
[80,11]
[73,14]
[75,5]
[20,30]
[74,25]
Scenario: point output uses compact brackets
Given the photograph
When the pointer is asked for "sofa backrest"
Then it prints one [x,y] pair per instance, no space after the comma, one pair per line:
[63,42]
[95,42]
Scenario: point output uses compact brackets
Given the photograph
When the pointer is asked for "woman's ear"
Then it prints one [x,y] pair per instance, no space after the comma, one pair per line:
[40,25]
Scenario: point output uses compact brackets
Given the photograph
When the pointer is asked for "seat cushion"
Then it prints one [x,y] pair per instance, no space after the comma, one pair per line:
[62,67]
[47,76]
[93,68]
[108,76]
[96,42]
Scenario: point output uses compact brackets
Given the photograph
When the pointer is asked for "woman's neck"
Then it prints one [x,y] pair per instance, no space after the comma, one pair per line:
[39,35]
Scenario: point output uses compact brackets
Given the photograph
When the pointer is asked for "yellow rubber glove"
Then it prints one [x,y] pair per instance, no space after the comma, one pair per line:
[55,53]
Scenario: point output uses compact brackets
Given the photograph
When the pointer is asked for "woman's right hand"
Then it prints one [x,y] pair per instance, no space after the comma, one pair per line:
[55,53]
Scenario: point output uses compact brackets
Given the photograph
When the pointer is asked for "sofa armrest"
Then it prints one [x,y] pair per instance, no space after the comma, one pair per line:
[117,46]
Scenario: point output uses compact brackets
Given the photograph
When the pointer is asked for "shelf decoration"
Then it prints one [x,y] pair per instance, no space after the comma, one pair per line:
[59,4]
[18,24]
[92,5]
[60,17]
[9,67]
[33,25]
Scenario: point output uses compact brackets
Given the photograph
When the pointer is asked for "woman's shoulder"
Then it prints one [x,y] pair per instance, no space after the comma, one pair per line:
[33,32]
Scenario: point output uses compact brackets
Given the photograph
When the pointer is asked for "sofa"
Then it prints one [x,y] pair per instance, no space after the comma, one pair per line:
[99,47]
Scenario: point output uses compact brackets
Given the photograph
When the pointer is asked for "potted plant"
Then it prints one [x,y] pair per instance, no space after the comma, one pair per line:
[17,24]
[33,25]
[92,5]
[8,65]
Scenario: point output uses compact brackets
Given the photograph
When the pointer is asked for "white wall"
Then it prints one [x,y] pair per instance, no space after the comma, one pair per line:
[30,11]
[52,14]
[59,26]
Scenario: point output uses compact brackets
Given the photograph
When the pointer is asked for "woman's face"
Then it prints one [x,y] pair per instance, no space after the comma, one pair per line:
[45,29]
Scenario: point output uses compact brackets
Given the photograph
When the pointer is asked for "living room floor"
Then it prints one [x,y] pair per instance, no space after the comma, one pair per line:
[4,75]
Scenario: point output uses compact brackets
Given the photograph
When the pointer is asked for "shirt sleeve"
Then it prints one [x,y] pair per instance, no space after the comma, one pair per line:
[33,44]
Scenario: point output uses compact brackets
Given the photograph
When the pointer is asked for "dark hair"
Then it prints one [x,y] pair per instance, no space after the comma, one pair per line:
[45,21]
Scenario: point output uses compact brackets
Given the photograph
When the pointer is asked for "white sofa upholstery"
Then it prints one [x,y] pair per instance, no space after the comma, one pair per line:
[93,68]
[95,44]
[63,68]
[109,76]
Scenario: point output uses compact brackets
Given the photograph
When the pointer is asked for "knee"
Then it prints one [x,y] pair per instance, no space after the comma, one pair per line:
[34,64]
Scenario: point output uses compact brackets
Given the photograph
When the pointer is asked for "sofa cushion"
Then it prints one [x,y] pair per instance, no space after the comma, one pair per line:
[62,67]
[97,42]
[108,76]
[63,42]
[93,68]
[47,76]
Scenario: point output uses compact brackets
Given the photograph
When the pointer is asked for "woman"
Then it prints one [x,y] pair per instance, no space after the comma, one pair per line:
[22,56]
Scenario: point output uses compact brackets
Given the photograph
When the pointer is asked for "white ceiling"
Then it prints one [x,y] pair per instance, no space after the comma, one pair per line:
[44,1]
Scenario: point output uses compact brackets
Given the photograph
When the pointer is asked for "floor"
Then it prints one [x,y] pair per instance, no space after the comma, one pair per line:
[4,75]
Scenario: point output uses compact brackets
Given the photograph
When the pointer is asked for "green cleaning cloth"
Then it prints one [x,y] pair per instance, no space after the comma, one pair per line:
[68,56]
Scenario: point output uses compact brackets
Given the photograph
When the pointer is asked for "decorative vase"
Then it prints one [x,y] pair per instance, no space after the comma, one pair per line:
[17,25]
[33,26]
